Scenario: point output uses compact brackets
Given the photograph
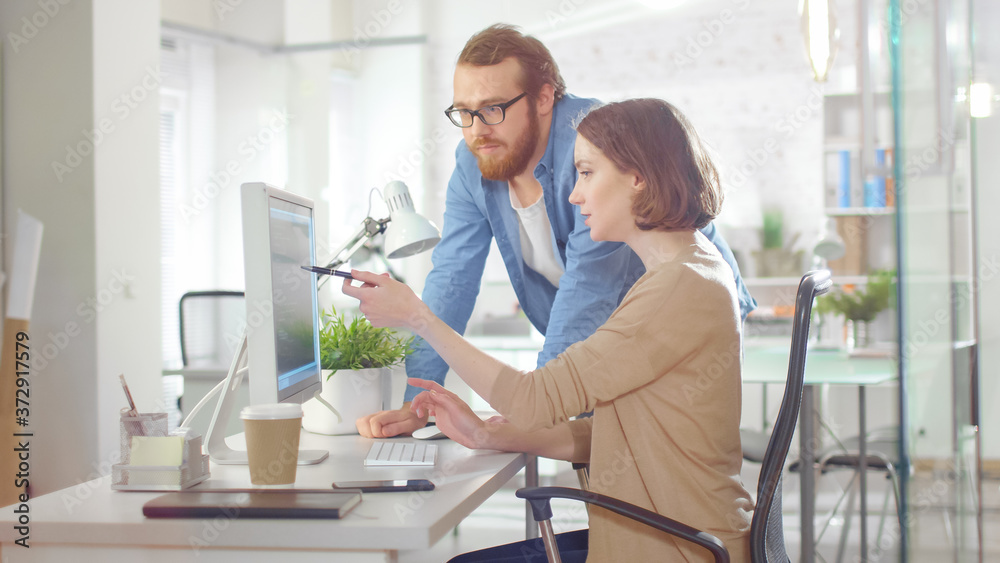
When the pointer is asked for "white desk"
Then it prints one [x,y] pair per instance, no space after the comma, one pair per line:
[823,367]
[90,522]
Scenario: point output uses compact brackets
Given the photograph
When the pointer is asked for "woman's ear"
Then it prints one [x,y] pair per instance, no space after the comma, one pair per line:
[638,182]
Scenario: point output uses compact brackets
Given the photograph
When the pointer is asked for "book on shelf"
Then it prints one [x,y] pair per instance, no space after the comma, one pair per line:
[875,185]
[846,188]
[844,179]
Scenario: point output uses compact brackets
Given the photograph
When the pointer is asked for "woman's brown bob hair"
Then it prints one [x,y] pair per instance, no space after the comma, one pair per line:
[653,139]
[501,41]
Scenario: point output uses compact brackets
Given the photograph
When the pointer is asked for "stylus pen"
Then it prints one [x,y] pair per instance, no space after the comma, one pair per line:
[328,271]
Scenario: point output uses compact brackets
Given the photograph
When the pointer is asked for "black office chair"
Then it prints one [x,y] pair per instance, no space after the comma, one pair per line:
[211,325]
[882,455]
[767,542]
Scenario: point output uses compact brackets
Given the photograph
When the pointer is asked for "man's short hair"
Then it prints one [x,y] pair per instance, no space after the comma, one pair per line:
[652,138]
[501,41]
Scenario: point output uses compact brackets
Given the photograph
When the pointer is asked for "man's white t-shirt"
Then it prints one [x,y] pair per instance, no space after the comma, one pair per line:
[536,239]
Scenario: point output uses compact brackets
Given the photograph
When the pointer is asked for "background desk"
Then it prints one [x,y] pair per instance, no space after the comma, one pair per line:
[90,522]
[823,367]
[198,381]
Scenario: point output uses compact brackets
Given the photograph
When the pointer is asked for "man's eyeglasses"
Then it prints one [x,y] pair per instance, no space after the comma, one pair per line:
[489,115]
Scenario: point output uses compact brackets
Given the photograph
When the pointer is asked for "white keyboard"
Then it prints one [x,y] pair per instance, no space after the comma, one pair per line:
[401,453]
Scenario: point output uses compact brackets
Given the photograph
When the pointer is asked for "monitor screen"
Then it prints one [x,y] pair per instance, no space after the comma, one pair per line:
[282,306]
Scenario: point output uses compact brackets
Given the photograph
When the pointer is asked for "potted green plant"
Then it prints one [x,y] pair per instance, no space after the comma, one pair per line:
[859,306]
[775,258]
[356,358]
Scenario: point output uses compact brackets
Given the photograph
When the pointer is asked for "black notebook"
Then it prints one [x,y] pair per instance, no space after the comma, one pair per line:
[281,503]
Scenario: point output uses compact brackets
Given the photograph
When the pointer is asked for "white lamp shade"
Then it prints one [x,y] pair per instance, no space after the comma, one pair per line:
[830,246]
[408,233]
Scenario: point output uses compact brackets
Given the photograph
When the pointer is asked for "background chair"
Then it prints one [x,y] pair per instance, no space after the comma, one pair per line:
[882,453]
[767,543]
[211,325]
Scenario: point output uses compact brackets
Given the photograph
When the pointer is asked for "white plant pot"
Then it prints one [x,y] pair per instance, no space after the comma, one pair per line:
[349,395]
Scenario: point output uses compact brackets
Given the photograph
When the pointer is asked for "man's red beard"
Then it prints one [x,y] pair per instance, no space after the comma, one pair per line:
[521,151]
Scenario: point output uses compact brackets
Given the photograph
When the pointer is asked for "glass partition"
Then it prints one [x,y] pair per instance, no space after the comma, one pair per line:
[938,281]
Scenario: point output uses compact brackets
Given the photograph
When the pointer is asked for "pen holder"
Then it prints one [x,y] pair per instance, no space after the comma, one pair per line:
[141,424]
[192,470]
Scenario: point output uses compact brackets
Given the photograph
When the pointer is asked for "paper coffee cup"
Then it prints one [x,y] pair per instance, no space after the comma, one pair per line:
[272,435]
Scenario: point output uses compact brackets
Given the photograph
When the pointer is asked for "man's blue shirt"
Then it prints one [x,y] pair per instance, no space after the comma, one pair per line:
[596,277]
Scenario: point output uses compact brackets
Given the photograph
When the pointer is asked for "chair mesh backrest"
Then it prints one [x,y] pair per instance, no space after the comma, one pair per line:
[211,324]
[767,540]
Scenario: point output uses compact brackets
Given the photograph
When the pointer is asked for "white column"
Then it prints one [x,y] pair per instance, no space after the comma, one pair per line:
[87,168]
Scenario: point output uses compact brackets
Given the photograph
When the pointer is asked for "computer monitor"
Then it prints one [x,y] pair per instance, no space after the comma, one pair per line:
[282,306]
[280,350]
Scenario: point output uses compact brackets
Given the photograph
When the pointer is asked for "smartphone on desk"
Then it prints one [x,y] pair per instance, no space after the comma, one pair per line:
[386,486]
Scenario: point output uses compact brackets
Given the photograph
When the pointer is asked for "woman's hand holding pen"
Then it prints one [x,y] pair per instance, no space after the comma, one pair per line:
[387,302]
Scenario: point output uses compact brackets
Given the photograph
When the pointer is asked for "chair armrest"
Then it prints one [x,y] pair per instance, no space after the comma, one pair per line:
[539,498]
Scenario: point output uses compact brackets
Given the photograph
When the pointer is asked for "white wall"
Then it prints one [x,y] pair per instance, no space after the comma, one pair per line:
[126,82]
[66,381]
[96,310]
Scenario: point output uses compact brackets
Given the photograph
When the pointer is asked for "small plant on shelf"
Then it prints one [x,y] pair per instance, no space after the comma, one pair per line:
[357,345]
[775,258]
[860,304]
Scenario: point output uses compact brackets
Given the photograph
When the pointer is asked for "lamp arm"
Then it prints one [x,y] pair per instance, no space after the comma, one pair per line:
[369,228]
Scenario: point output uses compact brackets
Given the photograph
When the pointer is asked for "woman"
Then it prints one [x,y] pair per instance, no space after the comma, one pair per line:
[662,375]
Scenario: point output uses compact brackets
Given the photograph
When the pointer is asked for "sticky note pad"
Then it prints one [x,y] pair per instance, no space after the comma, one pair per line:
[157,450]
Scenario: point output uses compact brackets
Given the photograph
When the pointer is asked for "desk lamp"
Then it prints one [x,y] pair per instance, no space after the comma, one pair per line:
[830,246]
[406,232]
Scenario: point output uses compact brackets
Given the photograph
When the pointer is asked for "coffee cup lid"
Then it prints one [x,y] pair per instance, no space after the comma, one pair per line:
[271,412]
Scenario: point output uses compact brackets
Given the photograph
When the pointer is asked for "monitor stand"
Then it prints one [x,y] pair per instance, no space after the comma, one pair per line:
[218,450]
